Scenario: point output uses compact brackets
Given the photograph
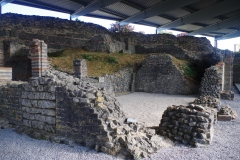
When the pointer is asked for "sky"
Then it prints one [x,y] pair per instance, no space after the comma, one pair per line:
[13,8]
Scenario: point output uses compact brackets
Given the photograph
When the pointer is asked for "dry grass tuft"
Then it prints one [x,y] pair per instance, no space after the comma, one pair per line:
[98,63]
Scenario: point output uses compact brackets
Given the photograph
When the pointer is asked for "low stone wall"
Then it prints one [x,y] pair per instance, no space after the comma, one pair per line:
[159,74]
[39,104]
[121,80]
[10,102]
[191,124]
[208,101]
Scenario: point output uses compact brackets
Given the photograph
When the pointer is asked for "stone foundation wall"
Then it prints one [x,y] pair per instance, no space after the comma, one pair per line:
[10,102]
[159,74]
[38,101]
[191,124]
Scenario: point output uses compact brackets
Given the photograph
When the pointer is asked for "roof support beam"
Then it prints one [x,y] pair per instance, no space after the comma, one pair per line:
[235,21]
[212,11]
[229,36]
[97,4]
[158,9]
[4,2]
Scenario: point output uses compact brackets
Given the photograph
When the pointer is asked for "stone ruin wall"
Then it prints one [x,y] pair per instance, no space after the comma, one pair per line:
[57,106]
[159,74]
[60,34]
[65,109]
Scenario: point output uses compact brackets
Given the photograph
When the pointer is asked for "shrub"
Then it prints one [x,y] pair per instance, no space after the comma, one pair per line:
[111,60]
[189,71]
[89,57]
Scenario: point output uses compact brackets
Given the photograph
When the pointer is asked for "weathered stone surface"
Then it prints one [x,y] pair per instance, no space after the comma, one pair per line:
[105,43]
[46,104]
[211,83]
[28,116]
[159,74]
[188,124]
[49,112]
[226,114]
[27,123]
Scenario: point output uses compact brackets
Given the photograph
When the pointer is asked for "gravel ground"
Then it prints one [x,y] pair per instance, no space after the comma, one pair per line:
[143,107]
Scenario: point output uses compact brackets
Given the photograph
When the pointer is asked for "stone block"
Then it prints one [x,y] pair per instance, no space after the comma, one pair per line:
[26,103]
[50,120]
[28,116]
[37,125]
[46,104]
[49,128]
[27,123]
[224,117]
[40,117]
[49,112]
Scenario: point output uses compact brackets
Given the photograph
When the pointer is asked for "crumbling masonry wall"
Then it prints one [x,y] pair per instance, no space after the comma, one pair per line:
[192,125]
[61,105]
[159,74]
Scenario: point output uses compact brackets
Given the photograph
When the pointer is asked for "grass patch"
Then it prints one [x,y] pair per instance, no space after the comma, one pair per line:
[98,64]
[188,67]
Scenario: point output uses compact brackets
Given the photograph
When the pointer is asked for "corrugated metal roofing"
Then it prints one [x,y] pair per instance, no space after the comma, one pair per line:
[121,10]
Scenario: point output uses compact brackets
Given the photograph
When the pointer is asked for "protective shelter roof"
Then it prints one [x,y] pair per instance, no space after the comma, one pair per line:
[214,18]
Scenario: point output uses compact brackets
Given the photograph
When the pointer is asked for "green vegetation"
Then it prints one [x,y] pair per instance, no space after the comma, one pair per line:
[189,70]
[98,64]
[188,67]
[236,52]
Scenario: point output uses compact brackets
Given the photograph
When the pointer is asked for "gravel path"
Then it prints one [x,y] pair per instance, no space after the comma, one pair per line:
[148,107]
[143,107]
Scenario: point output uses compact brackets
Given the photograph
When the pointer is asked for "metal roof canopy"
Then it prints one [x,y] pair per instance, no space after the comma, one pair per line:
[214,18]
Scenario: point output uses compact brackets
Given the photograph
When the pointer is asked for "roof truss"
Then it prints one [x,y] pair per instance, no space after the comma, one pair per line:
[229,36]
[212,11]
[158,9]
[219,25]
[96,5]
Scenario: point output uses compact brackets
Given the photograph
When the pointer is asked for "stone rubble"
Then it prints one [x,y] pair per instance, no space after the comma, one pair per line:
[190,125]
[226,113]
[208,101]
